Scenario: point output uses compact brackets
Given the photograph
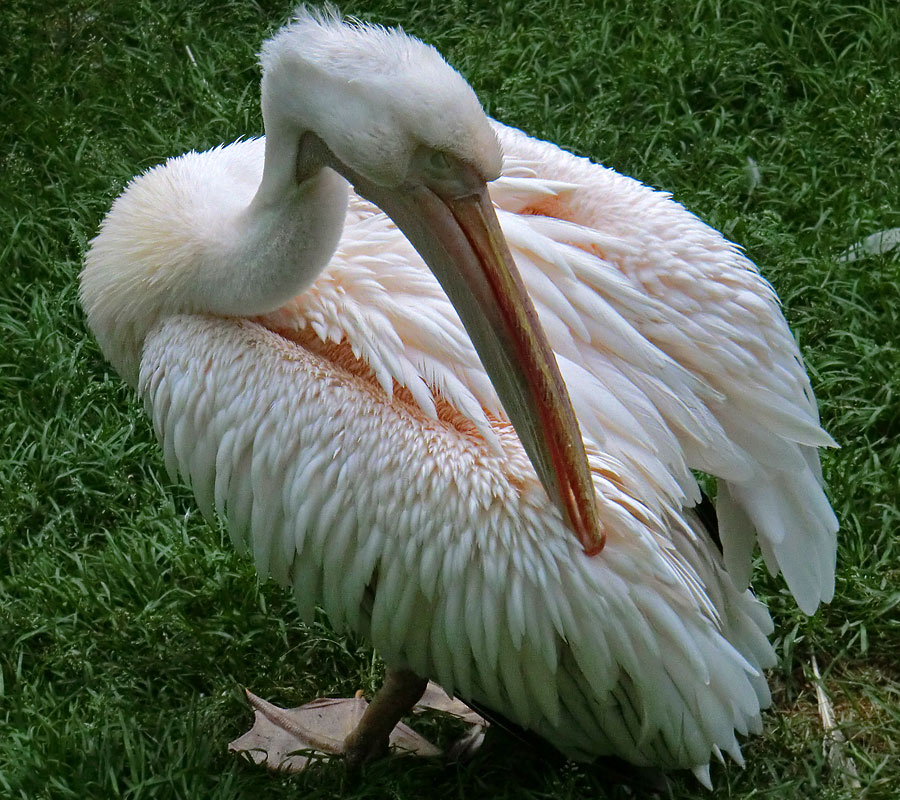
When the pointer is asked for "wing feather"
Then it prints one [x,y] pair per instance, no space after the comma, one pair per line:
[687,320]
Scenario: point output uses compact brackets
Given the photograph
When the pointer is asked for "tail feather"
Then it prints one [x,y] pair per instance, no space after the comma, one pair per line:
[796,528]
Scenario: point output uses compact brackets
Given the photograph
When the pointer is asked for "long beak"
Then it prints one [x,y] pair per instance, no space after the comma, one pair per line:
[460,239]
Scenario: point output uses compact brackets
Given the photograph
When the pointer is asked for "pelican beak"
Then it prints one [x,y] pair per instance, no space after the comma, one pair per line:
[457,233]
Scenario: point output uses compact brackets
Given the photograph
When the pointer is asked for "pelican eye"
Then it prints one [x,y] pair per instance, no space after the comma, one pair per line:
[433,165]
[441,171]
[438,162]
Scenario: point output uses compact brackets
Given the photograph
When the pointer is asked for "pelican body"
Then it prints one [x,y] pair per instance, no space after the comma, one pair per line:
[518,526]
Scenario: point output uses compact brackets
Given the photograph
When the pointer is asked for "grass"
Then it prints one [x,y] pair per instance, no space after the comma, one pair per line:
[128,625]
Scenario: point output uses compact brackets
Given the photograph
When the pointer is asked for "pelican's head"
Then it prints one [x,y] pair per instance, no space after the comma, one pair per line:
[389,114]
[380,100]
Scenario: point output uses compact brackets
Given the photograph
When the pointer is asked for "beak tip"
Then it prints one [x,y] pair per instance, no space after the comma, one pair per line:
[592,549]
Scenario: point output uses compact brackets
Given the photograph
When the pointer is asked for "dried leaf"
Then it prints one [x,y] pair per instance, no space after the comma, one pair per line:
[873,245]
[833,741]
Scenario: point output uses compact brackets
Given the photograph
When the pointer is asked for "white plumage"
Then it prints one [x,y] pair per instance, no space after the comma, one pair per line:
[358,449]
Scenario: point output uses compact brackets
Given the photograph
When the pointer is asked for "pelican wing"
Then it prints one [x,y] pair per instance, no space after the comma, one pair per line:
[673,318]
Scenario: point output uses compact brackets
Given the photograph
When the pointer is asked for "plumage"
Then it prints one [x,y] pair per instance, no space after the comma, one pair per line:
[358,449]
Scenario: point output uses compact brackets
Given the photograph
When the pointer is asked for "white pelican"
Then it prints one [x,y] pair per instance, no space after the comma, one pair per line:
[305,371]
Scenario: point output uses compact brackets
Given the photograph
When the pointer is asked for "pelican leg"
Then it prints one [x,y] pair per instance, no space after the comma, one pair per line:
[400,691]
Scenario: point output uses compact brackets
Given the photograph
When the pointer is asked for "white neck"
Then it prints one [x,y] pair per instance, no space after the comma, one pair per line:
[203,234]
[283,239]
[278,180]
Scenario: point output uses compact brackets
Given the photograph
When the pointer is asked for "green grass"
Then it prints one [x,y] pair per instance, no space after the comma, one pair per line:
[128,626]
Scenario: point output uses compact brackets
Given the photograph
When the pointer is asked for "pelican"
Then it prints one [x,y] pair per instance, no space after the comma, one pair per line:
[464,421]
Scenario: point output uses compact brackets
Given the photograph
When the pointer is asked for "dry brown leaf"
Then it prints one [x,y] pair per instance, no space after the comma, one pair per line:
[834,741]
